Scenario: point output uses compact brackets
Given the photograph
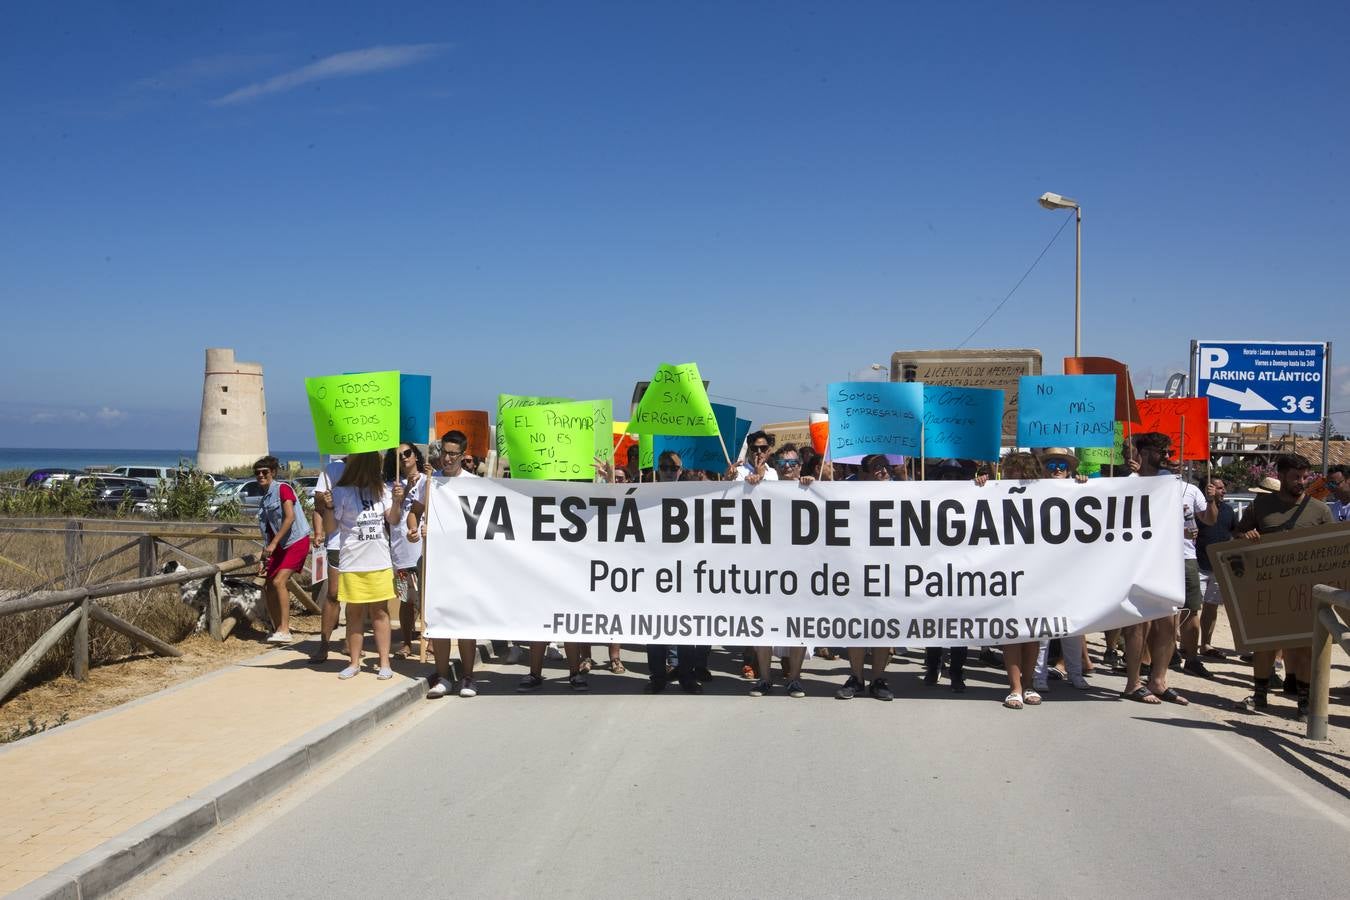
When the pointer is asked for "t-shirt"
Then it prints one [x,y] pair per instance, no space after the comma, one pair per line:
[330,476]
[406,553]
[1220,531]
[1340,511]
[1270,513]
[745,470]
[362,542]
[1193,503]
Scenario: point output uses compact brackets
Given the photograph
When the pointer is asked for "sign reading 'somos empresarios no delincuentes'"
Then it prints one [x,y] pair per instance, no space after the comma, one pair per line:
[1262,381]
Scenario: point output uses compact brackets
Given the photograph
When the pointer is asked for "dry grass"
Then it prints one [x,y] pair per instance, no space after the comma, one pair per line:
[30,561]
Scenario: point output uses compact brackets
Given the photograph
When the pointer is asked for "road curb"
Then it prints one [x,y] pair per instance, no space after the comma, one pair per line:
[119,859]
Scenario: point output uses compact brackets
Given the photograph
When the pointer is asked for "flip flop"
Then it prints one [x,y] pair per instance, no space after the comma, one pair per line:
[1013,701]
[1140,695]
[1032,698]
[1172,696]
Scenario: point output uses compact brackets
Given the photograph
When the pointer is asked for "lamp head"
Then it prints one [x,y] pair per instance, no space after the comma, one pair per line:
[1055,201]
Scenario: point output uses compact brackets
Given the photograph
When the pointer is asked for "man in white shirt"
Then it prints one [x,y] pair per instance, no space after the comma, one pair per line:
[755,467]
[453,446]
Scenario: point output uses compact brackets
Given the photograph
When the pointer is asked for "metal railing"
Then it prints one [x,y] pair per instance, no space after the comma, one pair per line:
[1327,627]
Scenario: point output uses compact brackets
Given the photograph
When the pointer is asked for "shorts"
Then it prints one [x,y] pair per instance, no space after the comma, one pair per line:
[366,587]
[291,558]
[409,591]
[1209,588]
[1194,597]
[333,557]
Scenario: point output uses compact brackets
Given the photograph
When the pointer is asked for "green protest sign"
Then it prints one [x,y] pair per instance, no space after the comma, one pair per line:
[558,441]
[646,452]
[1104,456]
[676,403]
[514,401]
[354,413]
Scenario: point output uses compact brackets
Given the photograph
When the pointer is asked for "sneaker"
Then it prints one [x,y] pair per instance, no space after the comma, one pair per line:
[385,674]
[1110,658]
[578,682]
[1252,704]
[761,688]
[349,672]
[513,656]
[795,689]
[439,689]
[991,658]
[529,683]
[1079,682]
[467,688]
[880,690]
[1195,667]
[279,637]
[849,690]
[1176,660]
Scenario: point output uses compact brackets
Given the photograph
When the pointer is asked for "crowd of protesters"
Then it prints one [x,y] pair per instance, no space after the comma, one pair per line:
[368,516]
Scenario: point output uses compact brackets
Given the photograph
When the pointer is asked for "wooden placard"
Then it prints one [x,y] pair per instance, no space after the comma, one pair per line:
[971,368]
[1267,584]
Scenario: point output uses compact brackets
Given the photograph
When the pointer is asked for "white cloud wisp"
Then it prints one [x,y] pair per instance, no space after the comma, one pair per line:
[339,65]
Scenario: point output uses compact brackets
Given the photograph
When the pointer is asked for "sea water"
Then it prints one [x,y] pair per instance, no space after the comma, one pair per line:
[82,458]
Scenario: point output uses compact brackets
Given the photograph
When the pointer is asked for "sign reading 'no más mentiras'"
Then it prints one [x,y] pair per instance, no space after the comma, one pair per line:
[842,564]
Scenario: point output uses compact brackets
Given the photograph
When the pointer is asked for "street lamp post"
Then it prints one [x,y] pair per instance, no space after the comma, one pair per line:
[1055,201]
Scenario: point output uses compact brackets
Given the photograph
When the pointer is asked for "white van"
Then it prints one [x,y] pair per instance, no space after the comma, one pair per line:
[150,475]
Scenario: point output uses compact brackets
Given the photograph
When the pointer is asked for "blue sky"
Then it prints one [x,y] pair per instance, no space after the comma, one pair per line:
[554,198]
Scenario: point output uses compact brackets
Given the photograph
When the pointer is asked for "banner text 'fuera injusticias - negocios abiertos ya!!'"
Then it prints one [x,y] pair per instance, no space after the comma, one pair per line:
[836,563]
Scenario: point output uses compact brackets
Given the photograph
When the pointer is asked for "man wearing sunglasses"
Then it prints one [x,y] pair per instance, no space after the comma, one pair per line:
[1152,451]
[755,467]
[691,661]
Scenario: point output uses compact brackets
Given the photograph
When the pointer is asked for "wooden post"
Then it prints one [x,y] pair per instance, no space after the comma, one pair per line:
[79,659]
[149,555]
[74,540]
[224,546]
[24,664]
[213,600]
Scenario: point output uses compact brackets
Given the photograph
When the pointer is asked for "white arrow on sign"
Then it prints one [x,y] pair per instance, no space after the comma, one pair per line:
[1245,400]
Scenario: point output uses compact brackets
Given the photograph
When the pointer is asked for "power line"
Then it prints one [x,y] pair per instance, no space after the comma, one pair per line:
[1067,220]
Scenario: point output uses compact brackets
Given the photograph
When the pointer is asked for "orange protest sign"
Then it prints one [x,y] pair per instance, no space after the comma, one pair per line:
[474,424]
[820,431]
[1126,408]
[1165,415]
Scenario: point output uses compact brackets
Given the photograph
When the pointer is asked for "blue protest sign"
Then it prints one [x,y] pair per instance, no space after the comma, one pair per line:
[874,417]
[742,432]
[701,452]
[962,423]
[414,408]
[1262,381]
[1066,410]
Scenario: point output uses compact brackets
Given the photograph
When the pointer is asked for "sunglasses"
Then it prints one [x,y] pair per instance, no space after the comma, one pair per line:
[789,463]
[760,448]
[258,473]
[451,454]
[1056,465]
[407,454]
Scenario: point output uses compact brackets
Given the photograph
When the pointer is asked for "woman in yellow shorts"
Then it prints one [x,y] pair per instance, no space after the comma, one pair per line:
[360,510]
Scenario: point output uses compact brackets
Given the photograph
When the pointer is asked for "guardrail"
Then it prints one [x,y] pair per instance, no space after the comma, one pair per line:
[1327,627]
[149,542]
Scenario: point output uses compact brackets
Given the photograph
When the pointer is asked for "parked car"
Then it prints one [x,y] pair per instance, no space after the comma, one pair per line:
[310,483]
[39,477]
[152,476]
[110,491]
[246,492]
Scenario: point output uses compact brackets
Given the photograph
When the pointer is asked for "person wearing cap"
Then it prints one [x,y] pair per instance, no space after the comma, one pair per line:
[1288,508]
[1151,451]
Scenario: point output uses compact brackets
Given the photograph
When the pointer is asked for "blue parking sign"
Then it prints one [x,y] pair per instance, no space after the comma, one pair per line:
[1262,381]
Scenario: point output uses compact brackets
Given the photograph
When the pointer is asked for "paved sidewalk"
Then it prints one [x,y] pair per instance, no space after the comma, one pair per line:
[188,757]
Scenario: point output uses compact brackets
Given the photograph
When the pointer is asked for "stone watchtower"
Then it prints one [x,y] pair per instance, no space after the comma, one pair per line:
[233,430]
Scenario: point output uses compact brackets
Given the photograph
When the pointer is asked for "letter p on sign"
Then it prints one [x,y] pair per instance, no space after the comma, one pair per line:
[1212,358]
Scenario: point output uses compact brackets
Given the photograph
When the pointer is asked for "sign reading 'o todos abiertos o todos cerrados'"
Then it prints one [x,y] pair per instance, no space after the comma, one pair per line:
[836,563]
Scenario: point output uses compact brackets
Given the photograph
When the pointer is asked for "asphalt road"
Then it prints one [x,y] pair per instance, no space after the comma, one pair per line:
[723,795]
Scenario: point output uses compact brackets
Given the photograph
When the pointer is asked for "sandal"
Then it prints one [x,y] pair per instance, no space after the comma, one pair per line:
[1013,701]
[586,665]
[1031,698]
[1172,696]
[1140,695]
[616,667]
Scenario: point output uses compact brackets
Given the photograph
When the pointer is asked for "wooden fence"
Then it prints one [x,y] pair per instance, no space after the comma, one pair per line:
[149,541]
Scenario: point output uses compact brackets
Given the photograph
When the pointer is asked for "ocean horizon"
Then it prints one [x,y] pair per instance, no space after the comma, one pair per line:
[85,457]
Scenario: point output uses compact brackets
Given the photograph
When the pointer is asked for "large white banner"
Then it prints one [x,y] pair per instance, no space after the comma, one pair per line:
[836,563]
